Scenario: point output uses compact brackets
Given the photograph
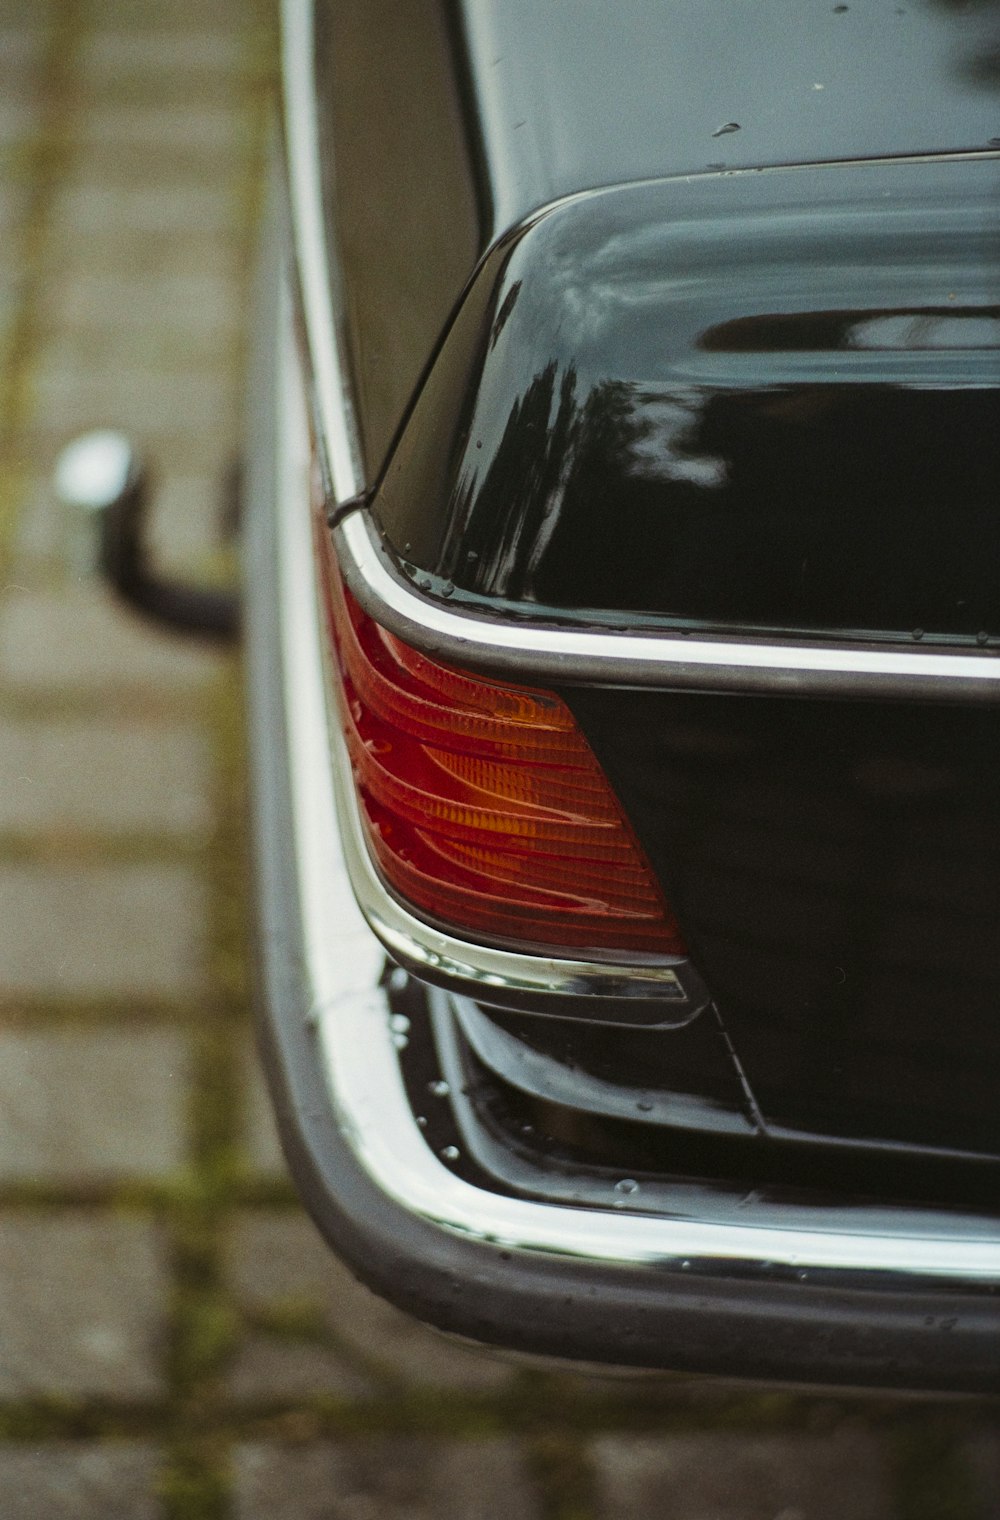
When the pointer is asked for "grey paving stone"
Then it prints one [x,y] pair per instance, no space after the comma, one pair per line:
[93,205]
[14,218]
[44,534]
[26,15]
[982,1453]
[60,1480]
[77,639]
[290,1365]
[263,1148]
[91,1104]
[18,118]
[153,402]
[133,254]
[132,341]
[207,134]
[8,313]
[82,1299]
[269,1368]
[279,1260]
[727,1476]
[24,37]
[129,160]
[170,13]
[112,57]
[383,1480]
[196,308]
[114,931]
[67,776]
[187,529]
[13,206]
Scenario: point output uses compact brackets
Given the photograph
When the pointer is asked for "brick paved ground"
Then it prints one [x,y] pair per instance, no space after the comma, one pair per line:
[174,1340]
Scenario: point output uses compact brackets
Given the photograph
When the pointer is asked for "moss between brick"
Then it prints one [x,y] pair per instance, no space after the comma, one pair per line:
[204,1321]
[932,1477]
[41,167]
[558,1461]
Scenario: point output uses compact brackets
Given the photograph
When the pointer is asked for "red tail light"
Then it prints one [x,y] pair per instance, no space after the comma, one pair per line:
[483,804]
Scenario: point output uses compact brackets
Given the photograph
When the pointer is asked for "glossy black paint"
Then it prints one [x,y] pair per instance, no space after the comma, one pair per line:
[573,96]
[445,123]
[766,401]
[835,868]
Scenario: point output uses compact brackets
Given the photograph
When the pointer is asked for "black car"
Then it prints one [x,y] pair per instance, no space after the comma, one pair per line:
[623,612]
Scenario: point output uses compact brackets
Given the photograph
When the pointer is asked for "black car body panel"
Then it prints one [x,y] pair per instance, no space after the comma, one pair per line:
[762,402]
[503,107]
[835,867]
[676,398]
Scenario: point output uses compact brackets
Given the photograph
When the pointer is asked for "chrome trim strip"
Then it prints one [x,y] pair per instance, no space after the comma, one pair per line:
[668,660]
[312,256]
[342,963]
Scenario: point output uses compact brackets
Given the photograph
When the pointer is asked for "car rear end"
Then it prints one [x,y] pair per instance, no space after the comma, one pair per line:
[624,682]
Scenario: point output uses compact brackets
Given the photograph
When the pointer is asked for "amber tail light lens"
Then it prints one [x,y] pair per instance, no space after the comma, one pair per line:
[483,805]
